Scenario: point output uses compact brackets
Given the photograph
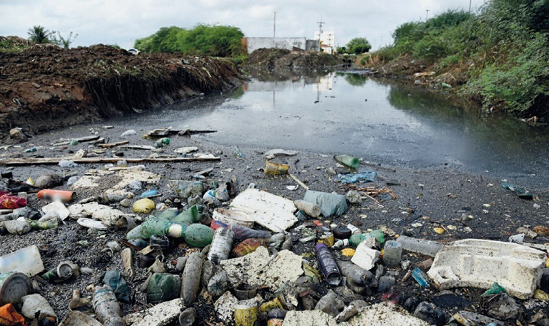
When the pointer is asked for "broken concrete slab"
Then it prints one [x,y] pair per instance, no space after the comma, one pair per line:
[109,216]
[224,306]
[260,269]
[480,263]
[159,315]
[385,314]
[270,211]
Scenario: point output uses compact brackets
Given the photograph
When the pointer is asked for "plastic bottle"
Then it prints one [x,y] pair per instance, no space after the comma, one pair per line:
[356,239]
[378,234]
[420,277]
[50,224]
[355,275]
[106,307]
[221,245]
[425,247]
[161,142]
[163,287]
[310,209]
[191,278]
[340,244]
[392,254]
[241,232]
[198,235]
[347,160]
[327,264]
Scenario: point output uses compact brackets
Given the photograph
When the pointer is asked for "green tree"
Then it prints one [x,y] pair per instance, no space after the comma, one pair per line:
[59,40]
[39,35]
[358,45]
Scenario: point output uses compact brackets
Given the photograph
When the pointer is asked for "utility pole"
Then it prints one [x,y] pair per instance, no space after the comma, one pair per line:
[470,6]
[320,23]
[427,15]
[274,25]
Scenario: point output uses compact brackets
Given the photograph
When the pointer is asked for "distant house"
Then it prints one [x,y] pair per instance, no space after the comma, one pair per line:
[288,43]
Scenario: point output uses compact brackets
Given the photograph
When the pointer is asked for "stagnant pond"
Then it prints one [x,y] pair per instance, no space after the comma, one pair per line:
[380,121]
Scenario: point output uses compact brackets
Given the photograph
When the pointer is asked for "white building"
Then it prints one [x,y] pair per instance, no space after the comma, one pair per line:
[327,40]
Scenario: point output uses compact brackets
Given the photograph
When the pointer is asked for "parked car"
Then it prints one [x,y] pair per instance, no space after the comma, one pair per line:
[133,51]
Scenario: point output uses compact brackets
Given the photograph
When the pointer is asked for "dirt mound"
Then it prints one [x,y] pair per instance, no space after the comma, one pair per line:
[44,87]
[279,58]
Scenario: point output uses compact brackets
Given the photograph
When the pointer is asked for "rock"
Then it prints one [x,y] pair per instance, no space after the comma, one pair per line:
[17,136]
[504,307]
[383,314]
[430,313]
[449,300]
[331,304]
[49,181]
[353,197]
[544,284]
[542,230]
[158,315]
[385,284]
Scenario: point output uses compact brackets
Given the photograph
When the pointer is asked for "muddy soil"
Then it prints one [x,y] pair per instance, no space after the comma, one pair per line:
[44,87]
[465,205]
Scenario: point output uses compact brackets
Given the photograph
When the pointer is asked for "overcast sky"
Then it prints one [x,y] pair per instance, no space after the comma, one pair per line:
[123,21]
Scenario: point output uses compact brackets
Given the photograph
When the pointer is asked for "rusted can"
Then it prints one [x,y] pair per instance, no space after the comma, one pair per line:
[13,287]
[247,247]
[245,313]
[221,245]
[272,168]
[327,264]
[327,238]
[244,291]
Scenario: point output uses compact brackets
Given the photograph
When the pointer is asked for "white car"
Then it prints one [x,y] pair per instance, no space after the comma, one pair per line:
[133,51]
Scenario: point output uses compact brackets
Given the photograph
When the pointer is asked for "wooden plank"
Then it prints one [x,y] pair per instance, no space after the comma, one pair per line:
[140,147]
[111,145]
[87,160]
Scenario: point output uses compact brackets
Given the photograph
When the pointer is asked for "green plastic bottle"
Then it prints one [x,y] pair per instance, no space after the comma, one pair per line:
[378,234]
[190,216]
[157,226]
[347,160]
[356,239]
[199,235]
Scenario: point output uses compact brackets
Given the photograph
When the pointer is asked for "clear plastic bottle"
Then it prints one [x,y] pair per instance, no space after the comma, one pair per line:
[425,247]
[242,232]
[392,254]
[221,245]
[106,307]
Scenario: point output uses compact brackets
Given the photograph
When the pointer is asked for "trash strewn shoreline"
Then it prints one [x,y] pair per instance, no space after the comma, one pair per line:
[239,234]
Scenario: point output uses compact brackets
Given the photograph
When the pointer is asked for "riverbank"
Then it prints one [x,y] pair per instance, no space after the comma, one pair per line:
[438,203]
[44,87]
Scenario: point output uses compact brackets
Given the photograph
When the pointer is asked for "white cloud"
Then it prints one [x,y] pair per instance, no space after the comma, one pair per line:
[124,21]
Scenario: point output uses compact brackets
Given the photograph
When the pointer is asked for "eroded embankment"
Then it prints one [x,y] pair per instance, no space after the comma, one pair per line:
[45,87]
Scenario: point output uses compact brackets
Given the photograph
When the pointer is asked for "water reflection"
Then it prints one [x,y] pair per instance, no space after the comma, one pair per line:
[379,120]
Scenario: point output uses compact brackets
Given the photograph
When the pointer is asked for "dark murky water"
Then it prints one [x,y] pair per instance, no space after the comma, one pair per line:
[357,115]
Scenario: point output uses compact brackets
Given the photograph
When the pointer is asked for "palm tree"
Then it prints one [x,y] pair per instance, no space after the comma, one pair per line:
[39,34]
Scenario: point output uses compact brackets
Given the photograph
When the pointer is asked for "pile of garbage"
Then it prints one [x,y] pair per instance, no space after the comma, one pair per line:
[217,252]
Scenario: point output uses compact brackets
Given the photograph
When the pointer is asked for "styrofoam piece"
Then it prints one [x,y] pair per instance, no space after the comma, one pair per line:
[27,261]
[229,216]
[381,314]
[91,224]
[480,263]
[260,269]
[159,315]
[365,257]
[270,211]
[106,214]
[57,207]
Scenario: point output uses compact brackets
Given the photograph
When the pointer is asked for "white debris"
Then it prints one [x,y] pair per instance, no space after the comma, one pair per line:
[260,269]
[57,207]
[224,306]
[480,263]
[107,215]
[270,211]
[365,257]
[159,315]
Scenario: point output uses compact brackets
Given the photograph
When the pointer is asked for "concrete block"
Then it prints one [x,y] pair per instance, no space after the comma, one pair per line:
[480,263]
[365,257]
[383,314]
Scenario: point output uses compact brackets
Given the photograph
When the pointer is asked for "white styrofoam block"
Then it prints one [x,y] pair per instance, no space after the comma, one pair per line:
[480,263]
[270,211]
[365,257]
